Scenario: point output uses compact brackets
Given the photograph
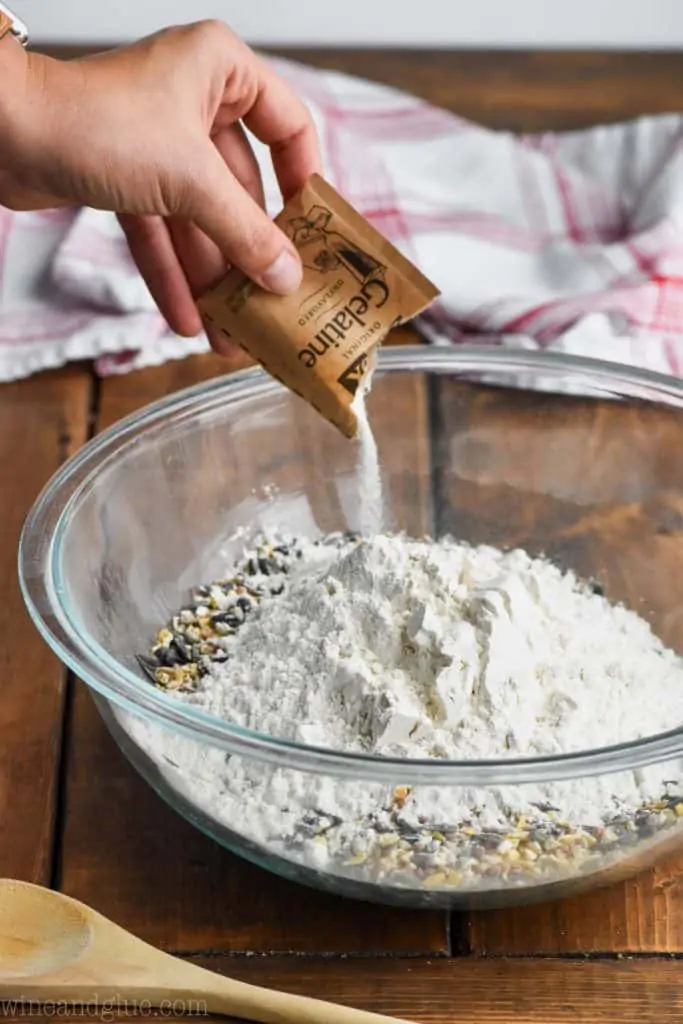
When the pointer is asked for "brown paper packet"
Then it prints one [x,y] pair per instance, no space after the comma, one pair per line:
[320,342]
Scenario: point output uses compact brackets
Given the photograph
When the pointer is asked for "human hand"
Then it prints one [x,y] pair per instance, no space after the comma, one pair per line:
[154,132]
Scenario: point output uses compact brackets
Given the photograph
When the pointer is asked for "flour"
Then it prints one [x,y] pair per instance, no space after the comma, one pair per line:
[418,649]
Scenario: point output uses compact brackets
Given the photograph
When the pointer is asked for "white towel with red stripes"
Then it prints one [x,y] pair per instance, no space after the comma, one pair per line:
[571,242]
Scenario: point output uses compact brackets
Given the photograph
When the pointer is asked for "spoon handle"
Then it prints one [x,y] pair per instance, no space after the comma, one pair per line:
[196,987]
[268,1006]
[55,949]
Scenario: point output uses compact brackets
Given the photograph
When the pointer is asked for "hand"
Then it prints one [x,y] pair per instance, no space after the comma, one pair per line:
[154,132]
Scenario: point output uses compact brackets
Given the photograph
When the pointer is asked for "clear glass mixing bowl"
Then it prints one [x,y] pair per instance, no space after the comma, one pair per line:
[151,508]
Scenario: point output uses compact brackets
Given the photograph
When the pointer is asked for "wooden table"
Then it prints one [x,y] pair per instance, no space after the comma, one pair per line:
[75,816]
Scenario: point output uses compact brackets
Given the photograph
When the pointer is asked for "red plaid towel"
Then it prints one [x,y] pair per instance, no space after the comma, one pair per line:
[569,242]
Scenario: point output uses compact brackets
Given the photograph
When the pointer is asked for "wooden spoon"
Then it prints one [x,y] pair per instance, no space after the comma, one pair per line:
[55,949]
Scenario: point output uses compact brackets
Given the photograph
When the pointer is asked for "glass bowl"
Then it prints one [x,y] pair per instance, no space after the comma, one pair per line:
[587,468]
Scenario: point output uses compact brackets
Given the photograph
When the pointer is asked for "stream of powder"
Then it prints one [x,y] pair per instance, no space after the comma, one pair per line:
[369,474]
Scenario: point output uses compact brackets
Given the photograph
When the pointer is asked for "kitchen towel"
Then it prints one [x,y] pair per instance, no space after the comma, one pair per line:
[570,242]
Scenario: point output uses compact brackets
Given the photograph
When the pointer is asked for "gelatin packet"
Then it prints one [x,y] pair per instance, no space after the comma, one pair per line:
[321,341]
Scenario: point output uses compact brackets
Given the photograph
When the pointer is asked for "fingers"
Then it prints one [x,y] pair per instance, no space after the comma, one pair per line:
[282,121]
[202,261]
[152,249]
[150,246]
[200,258]
[203,264]
[216,201]
[233,145]
[270,109]
[179,260]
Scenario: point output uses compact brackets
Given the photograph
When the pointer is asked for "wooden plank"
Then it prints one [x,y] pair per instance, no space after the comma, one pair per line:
[456,991]
[123,850]
[121,395]
[642,914]
[515,90]
[475,991]
[520,90]
[42,420]
[597,486]
[132,858]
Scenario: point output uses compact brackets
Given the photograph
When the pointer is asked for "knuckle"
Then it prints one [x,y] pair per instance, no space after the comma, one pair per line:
[211,31]
[199,39]
[240,89]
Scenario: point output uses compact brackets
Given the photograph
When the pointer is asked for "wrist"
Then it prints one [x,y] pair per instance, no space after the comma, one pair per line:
[31,99]
[14,96]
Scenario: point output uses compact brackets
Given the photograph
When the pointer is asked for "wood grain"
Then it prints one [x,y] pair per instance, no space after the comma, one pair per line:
[42,420]
[640,915]
[120,396]
[123,850]
[519,91]
[522,91]
[131,857]
[476,991]
[470,991]
[596,486]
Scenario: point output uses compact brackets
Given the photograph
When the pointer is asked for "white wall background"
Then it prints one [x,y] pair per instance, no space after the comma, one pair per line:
[637,24]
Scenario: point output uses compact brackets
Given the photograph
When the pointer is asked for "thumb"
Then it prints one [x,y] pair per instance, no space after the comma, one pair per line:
[243,232]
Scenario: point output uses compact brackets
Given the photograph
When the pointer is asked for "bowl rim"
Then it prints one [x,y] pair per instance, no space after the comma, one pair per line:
[39,560]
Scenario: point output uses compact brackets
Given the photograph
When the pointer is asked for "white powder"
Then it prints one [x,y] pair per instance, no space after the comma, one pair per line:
[420,649]
[371,512]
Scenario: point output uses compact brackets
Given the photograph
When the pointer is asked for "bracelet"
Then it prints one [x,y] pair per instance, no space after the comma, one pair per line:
[9,23]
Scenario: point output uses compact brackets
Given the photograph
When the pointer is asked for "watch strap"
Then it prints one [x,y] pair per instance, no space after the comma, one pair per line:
[5,24]
[9,23]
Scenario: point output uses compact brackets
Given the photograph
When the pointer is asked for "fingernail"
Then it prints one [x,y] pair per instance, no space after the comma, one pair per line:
[284,274]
